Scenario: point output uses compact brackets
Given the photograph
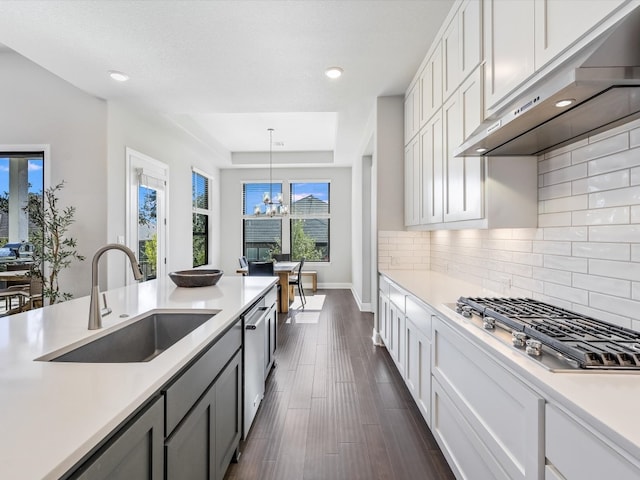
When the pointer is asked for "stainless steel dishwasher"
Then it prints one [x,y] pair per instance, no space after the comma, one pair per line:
[254,361]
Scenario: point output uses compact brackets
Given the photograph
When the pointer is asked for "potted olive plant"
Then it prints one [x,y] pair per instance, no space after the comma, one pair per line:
[53,249]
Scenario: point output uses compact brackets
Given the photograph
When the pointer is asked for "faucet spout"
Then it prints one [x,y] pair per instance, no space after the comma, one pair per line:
[95,313]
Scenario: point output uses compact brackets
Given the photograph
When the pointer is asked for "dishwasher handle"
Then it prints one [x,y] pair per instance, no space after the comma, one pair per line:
[256,318]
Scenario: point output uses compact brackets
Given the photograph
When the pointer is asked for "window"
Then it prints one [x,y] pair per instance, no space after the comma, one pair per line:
[310,221]
[262,235]
[201,215]
[21,183]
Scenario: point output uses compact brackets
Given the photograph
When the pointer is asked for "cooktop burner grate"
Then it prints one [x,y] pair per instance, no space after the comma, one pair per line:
[592,343]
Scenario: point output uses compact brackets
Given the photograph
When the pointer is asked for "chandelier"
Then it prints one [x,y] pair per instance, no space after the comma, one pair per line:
[271,206]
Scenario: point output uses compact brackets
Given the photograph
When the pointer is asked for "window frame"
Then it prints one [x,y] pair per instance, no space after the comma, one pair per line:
[262,217]
[207,212]
[297,216]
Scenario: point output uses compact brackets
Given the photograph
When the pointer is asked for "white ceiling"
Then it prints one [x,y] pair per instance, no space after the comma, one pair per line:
[228,70]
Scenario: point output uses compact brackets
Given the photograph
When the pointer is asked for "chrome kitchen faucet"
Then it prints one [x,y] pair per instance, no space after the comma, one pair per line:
[95,312]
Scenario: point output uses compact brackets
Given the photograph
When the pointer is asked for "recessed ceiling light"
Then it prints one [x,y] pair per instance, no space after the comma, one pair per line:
[333,72]
[118,76]
[481,150]
[565,103]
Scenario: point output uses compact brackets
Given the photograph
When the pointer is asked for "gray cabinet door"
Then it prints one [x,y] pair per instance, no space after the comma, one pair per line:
[270,340]
[228,413]
[204,443]
[191,448]
[135,453]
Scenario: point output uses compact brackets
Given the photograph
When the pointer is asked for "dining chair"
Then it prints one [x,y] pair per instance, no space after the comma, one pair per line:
[282,257]
[14,288]
[262,269]
[297,280]
[243,262]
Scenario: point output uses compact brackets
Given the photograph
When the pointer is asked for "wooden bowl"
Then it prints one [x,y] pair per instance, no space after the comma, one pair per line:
[196,277]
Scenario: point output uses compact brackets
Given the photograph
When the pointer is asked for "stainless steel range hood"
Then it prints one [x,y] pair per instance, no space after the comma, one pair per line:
[603,81]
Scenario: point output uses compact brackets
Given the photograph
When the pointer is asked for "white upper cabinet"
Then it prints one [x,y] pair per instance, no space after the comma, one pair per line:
[470,19]
[463,179]
[431,157]
[411,113]
[470,94]
[451,58]
[412,179]
[522,37]
[431,86]
[461,46]
[561,22]
[509,46]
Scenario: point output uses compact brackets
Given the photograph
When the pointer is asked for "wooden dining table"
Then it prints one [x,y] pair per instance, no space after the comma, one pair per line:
[282,270]
[14,276]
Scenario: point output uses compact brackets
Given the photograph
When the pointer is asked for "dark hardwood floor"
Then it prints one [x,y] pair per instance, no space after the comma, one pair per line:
[335,406]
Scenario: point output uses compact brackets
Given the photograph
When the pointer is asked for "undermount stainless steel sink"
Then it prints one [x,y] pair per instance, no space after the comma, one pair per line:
[140,341]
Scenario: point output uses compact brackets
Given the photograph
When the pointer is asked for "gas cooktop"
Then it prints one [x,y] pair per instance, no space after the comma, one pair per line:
[556,337]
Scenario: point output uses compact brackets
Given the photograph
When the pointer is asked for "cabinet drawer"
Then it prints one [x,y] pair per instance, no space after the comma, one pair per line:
[185,391]
[397,297]
[464,451]
[504,413]
[384,285]
[578,453]
[271,297]
[419,315]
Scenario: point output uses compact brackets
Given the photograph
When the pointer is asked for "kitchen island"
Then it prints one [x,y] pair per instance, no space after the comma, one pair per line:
[494,411]
[53,415]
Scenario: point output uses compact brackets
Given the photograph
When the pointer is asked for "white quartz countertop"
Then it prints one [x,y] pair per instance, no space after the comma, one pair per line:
[609,401]
[53,414]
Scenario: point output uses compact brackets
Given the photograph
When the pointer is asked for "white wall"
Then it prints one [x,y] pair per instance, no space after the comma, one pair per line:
[87,138]
[585,255]
[37,107]
[337,273]
[153,136]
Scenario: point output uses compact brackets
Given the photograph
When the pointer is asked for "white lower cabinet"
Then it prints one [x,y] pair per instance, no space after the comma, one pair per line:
[465,452]
[505,416]
[418,355]
[396,335]
[575,452]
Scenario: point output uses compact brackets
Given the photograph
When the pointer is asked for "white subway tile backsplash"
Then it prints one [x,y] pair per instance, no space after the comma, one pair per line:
[575,234]
[605,251]
[562,219]
[635,214]
[554,191]
[570,264]
[566,148]
[403,250]
[635,252]
[528,284]
[567,294]
[554,163]
[552,248]
[614,233]
[603,315]
[565,174]
[618,161]
[601,148]
[611,286]
[616,305]
[615,198]
[552,276]
[566,204]
[606,181]
[534,259]
[614,269]
[601,216]
[635,176]
[634,138]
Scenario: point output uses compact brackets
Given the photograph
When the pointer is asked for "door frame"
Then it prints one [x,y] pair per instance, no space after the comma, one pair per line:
[134,161]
